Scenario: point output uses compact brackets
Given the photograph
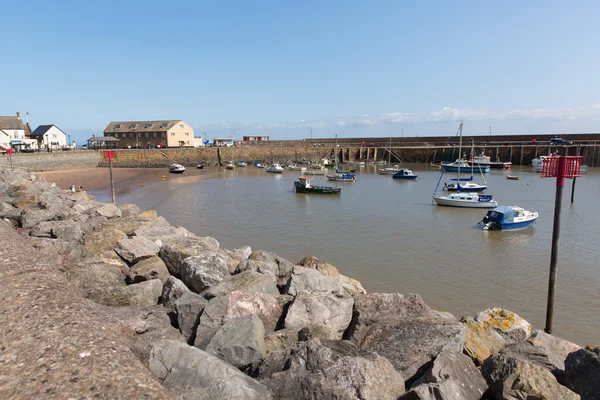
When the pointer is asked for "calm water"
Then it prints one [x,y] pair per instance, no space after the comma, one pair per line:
[388,235]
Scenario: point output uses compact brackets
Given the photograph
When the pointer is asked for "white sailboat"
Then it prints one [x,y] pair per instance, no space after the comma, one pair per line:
[231,164]
[389,170]
[461,198]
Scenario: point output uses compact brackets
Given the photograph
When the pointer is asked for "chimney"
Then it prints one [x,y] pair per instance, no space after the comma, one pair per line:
[18,115]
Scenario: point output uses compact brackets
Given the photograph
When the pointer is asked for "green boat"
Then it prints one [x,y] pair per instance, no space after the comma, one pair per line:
[302,185]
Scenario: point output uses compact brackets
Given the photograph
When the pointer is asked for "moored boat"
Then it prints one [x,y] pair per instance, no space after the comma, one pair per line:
[464,187]
[242,163]
[513,177]
[466,199]
[302,185]
[457,165]
[275,168]
[485,161]
[508,218]
[404,173]
[389,170]
[296,167]
[176,168]
[342,177]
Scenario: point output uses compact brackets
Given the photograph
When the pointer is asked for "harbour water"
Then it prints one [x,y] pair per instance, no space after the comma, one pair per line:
[391,237]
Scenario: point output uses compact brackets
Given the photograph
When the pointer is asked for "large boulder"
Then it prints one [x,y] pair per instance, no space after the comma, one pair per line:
[188,307]
[103,239]
[515,378]
[248,281]
[323,267]
[173,289]
[34,216]
[320,309]
[284,267]
[491,330]
[336,370]
[267,306]
[452,375]
[136,249]
[210,321]
[95,279]
[240,341]
[65,230]
[544,350]
[66,252]
[410,336]
[190,373]
[582,368]
[107,210]
[176,249]
[129,209]
[145,293]
[237,255]
[351,286]
[161,232]
[204,270]
[311,280]
[149,268]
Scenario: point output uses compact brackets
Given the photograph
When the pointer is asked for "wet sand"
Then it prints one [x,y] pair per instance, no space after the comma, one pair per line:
[125,179]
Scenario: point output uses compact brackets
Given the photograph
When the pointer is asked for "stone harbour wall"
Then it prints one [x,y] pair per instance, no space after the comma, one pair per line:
[57,160]
[109,301]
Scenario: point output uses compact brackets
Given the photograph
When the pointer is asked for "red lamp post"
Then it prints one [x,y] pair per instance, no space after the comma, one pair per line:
[560,167]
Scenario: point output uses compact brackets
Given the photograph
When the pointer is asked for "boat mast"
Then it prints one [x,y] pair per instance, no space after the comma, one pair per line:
[390,151]
[459,152]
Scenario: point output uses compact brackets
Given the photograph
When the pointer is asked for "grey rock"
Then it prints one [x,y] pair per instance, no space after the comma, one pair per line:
[136,249]
[129,224]
[145,293]
[176,249]
[210,321]
[582,368]
[11,213]
[351,286]
[32,217]
[248,281]
[161,232]
[268,307]
[173,289]
[149,268]
[190,373]
[514,378]
[103,239]
[129,209]
[284,267]
[240,341]
[280,340]
[85,205]
[323,267]
[204,270]
[69,252]
[320,309]
[410,336]
[107,210]
[322,332]
[242,253]
[450,389]
[65,230]
[336,370]
[96,279]
[269,268]
[188,307]
[311,280]
[466,382]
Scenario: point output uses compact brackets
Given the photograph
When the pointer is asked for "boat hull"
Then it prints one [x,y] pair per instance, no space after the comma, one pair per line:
[452,168]
[441,201]
[327,190]
[176,171]
[274,171]
[495,165]
[510,226]
[407,177]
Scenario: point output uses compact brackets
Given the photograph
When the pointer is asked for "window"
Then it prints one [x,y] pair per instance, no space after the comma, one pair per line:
[147,135]
[132,126]
[131,135]
[187,134]
[181,126]
[172,133]
[148,126]
[54,136]
[117,126]
[163,125]
[154,134]
[163,134]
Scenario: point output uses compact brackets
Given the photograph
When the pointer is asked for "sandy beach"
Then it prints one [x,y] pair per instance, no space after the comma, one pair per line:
[125,179]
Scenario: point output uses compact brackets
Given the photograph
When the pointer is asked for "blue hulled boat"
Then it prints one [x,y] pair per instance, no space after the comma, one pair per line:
[405,173]
[508,218]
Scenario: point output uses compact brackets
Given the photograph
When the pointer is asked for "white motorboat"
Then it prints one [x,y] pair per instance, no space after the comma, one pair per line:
[389,170]
[242,164]
[230,165]
[465,187]
[176,168]
[466,199]
[275,168]
[295,167]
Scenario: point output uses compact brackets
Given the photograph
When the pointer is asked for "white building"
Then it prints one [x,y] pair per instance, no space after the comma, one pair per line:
[15,133]
[49,136]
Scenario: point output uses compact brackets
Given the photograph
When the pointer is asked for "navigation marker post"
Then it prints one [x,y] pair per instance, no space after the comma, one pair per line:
[560,167]
[110,154]
[10,152]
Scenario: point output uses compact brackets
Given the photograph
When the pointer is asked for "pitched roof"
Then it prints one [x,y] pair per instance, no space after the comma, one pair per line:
[103,139]
[42,129]
[141,126]
[11,123]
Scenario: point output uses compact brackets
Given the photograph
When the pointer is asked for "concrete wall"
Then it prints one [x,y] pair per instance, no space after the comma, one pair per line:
[56,160]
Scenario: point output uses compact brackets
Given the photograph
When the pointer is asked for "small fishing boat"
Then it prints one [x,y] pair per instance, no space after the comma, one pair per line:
[466,199]
[275,168]
[404,173]
[302,185]
[389,170]
[317,170]
[295,167]
[176,168]
[485,161]
[342,177]
[513,177]
[200,166]
[230,165]
[258,164]
[507,218]
[242,163]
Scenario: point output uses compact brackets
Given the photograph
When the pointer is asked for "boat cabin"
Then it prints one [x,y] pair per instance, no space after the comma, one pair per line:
[304,180]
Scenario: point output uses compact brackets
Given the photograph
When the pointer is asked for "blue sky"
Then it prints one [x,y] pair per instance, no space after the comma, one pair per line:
[339,67]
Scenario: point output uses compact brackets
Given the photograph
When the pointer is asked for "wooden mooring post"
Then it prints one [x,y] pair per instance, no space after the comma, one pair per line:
[522,149]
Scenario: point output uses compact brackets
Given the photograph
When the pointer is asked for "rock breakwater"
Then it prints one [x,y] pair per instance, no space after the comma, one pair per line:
[110,301]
